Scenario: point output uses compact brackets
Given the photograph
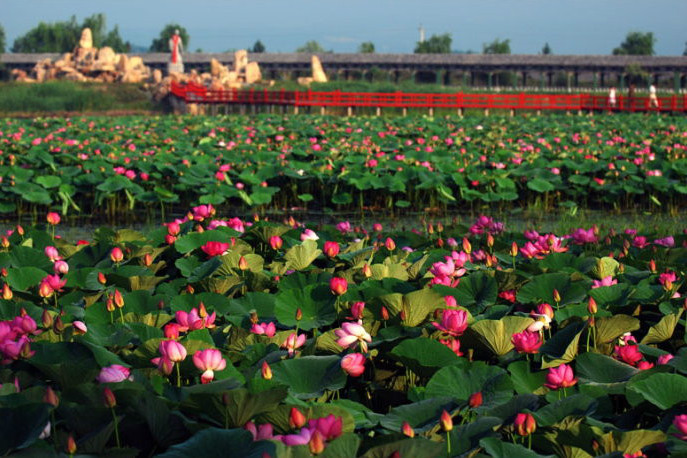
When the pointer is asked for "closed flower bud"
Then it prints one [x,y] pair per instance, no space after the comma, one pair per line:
[446,421]
[390,244]
[101,278]
[243,264]
[190,289]
[51,398]
[331,249]
[109,304]
[266,371]
[652,266]
[475,399]
[316,443]
[276,242]
[296,418]
[466,245]
[46,319]
[109,398]
[385,313]
[525,424]
[57,325]
[71,445]
[20,230]
[490,240]
[53,218]
[7,292]
[591,306]
[514,249]
[116,255]
[118,299]
[407,430]
[299,314]
[147,260]
[556,296]
[367,271]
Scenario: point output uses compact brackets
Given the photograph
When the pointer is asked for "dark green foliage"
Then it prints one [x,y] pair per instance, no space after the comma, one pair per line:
[437,44]
[637,44]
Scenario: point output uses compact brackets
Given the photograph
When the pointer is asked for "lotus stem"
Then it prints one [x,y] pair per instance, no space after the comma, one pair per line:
[448,443]
[178,376]
[116,428]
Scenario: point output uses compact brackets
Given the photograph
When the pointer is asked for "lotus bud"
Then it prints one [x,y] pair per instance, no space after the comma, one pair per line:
[316,443]
[109,398]
[109,304]
[53,218]
[118,299]
[190,289]
[202,311]
[367,271]
[46,319]
[71,445]
[489,262]
[338,285]
[390,244]
[440,227]
[621,268]
[668,285]
[467,247]
[407,430]
[385,313]
[440,242]
[116,255]
[57,325]
[200,229]
[170,239]
[331,249]
[299,314]
[591,306]
[276,242]
[430,229]
[556,296]
[7,292]
[51,398]
[266,371]
[20,230]
[475,400]
[357,310]
[147,260]
[446,421]
[3,272]
[490,240]
[652,266]
[161,305]
[44,290]
[514,249]
[525,424]
[101,278]
[243,264]
[5,242]
[296,418]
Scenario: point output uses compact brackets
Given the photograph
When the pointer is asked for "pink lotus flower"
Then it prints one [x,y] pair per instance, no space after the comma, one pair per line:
[53,218]
[61,267]
[293,342]
[680,422]
[267,329]
[453,345]
[164,365]
[192,321]
[560,377]
[667,242]
[357,310]
[330,426]
[52,253]
[453,322]
[213,249]
[344,227]
[202,212]
[116,255]
[664,359]
[628,354]
[606,281]
[331,249]
[172,350]
[353,364]
[54,282]
[527,342]
[338,285]
[640,242]
[582,236]
[276,242]
[351,333]
[79,327]
[668,276]
[209,360]
[262,432]
[114,374]
[309,234]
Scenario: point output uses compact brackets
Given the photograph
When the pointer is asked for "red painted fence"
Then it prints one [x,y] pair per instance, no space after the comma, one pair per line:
[193,93]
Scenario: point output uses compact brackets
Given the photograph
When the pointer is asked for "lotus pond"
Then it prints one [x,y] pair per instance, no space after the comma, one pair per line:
[140,168]
[215,336]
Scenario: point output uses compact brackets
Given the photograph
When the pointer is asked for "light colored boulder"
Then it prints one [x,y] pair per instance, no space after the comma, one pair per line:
[86,40]
[318,74]
[240,60]
[107,56]
[157,76]
[304,80]
[123,63]
[253,74]
[216,68]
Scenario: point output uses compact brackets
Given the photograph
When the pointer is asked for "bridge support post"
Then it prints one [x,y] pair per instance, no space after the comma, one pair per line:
[405,111]
[378,111]
[323,110]
[460,112]
[295,109]
[349,111]
[431,111]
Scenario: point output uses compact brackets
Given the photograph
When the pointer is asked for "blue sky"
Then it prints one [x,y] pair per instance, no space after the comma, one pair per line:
[570,27]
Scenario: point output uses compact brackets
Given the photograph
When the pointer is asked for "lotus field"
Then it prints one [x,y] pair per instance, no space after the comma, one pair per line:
[117,168]
[214,334]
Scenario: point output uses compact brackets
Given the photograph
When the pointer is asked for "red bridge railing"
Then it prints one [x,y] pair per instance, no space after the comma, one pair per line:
[193,93]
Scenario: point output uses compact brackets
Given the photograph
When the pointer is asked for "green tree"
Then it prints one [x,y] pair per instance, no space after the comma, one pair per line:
[366,48]
[161,43]
[496,47]
[437,44]
[312,47]
[684,53]
[637,44]
[546,50]
[64,36]
[258,47]
[2,39]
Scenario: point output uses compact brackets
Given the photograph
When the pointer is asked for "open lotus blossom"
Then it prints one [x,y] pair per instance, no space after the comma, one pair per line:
[527,342]
[606,281]
[629,354]
[541,321]
[172,350]
[192,321]
[261,432]
[560,377]
[309,234]
[581,236]
[353,364]
[664,359]
[351,334]
[53,218]
[61,267]
[209,360]
[293,342]
[266,329]
[667,277]
[453,322]
[114,374]
[52,253]
[680,423]
[213,249]
[667,242]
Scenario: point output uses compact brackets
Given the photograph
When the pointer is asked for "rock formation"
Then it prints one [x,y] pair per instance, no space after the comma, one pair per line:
[317,73]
